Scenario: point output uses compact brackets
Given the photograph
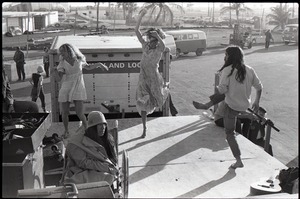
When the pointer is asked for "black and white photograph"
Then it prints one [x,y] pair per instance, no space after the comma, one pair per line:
[150,100]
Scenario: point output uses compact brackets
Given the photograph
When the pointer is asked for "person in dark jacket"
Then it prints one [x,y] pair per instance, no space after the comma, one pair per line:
[20,61]
[269,37]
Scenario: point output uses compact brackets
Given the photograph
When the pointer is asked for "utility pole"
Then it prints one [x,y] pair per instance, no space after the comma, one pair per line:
[213,14]
[27,30]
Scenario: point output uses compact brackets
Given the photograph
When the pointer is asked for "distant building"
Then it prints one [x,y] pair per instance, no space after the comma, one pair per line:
[42,6]
[37,20]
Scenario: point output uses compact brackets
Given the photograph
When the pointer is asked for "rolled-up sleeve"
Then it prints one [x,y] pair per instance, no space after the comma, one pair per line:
[256,81]
[85,162]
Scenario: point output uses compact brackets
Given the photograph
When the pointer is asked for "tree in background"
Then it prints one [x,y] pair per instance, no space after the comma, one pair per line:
[164,11]
[128,9]
[280,15]
[237,7]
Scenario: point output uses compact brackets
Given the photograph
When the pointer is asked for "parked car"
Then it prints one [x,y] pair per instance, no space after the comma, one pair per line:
[290,34]
[82,24]
[65,23]
[13,31]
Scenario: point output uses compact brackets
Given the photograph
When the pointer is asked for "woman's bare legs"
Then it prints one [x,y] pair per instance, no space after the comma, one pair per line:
[144,120]
[65,116]
[80,112]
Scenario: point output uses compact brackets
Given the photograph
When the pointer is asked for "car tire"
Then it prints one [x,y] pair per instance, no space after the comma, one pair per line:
[250,45]
[57,25]
[286,43]
[178,52]
[199,52]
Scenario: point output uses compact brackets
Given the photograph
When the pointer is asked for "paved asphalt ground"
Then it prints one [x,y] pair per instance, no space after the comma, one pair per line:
[288,141]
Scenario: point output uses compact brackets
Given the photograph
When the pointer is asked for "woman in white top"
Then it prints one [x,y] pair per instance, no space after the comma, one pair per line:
[236,82]
[72,87]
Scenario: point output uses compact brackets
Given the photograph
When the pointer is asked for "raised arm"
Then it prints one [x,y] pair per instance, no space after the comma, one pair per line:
[137,27]
[96,65]
[160,40]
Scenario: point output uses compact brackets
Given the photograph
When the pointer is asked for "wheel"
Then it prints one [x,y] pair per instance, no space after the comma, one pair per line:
[57,25]
[186,53]
[125,174]
[177,52]
[250,45]
[84,27]
[199,52]
[286,43]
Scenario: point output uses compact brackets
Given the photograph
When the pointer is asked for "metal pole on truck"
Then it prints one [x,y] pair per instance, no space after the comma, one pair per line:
[27,33]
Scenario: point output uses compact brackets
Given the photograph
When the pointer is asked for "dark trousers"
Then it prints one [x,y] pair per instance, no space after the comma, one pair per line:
[20,70]
[46,68]
[267,44]
[217,98]
[42,98]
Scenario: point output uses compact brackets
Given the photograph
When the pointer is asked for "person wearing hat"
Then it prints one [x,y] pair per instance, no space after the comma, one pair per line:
[91,153]
[37,89]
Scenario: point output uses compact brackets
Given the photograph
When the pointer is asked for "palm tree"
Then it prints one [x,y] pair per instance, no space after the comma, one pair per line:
[237,7]
[280,15]
[164,11]
[128,9]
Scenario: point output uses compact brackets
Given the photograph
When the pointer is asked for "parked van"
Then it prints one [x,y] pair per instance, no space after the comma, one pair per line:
[189,41]
[290,34]
[170,43]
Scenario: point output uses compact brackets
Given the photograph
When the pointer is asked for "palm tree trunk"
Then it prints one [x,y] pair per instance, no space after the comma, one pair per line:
[230,23]
[97,29]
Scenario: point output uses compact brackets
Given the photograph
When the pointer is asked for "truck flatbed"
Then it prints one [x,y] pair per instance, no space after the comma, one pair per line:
[187,157]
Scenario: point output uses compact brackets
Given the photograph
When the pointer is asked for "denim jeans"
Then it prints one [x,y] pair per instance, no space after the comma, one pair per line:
[229,125]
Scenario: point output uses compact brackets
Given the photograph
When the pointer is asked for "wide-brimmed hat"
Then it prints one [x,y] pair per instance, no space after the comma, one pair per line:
[40,69]
[96,117]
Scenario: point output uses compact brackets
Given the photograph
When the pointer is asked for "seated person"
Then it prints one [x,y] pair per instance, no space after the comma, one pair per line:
[10,105]
[91,154]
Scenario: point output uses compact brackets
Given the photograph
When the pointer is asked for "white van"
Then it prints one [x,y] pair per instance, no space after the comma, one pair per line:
[170,43]
[189,41]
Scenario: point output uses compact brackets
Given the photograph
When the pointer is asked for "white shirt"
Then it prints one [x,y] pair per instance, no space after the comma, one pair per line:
[237,95]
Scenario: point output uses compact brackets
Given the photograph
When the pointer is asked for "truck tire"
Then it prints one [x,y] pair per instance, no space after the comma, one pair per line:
[199,52]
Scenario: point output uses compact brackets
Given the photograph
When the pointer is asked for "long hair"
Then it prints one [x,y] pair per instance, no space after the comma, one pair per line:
[91,133]
[72,51]
[236,59]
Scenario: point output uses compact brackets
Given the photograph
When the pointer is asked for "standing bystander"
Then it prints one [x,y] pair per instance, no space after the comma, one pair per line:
[269,37]
[46,61]
[20,61]
[37,89]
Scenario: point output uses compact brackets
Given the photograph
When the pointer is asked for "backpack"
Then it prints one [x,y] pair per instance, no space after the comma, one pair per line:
[287,178]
